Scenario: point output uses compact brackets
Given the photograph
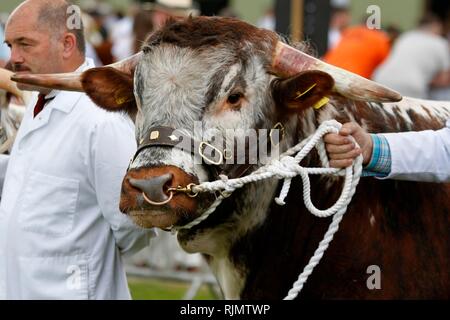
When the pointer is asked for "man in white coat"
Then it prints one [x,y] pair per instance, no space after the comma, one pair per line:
[415,156]
[61,233]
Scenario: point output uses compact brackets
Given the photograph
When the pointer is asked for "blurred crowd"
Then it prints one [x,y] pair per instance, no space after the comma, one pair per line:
[113,34]
[414,62]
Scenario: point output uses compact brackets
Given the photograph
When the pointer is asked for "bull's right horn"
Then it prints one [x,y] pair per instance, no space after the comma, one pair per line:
[7,84]
[288,61]
[72,81]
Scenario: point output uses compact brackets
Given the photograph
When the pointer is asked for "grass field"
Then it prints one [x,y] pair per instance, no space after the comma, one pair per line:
[153,289]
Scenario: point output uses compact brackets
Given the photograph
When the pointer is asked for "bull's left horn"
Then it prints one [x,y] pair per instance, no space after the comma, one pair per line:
[7,84]
[288,61]
[72,81]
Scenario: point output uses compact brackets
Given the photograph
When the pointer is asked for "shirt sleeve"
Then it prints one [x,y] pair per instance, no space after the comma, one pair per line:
[380,163]
[113,148]
[420,156]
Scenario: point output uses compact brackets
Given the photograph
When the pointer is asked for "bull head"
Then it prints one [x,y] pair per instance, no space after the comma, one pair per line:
[221,73]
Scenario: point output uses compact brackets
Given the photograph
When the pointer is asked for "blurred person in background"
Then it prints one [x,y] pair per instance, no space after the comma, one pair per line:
[93,39]
[121,36]
[268,20]
[165,9]
[340,20]
[394,32]
[142,26]
[443,92]
[360,50]
[420,59]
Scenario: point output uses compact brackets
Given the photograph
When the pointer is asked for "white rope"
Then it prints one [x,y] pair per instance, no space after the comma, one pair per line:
[287,167]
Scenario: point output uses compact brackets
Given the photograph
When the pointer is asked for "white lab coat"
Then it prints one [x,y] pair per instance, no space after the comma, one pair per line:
[420,156]
[61,231]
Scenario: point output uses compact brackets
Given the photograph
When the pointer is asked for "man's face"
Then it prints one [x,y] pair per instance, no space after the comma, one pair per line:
[33,50]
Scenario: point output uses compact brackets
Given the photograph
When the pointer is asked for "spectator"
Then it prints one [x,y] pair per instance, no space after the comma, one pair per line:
[267,21]
[142,27]
[419,59]
[340,20]
[164,9]
[360,50]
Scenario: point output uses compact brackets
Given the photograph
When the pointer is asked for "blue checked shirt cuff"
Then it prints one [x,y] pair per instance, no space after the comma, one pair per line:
[381,161]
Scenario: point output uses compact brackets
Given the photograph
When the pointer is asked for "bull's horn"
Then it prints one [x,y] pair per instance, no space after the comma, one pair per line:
[7,84]
[288,61]
[72,81]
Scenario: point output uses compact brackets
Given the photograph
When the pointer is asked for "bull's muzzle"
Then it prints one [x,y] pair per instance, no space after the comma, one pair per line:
[151,198]
[154,189]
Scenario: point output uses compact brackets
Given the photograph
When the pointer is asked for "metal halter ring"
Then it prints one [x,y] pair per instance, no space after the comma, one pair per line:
[158,203]
[187,190]
[205,157]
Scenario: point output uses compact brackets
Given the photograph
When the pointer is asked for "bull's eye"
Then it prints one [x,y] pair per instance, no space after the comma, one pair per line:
[234,99]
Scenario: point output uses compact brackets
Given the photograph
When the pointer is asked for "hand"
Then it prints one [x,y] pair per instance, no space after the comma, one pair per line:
[342,152]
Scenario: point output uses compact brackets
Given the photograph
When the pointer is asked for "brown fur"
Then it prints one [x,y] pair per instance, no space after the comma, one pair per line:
[110,89]
[409,239]
[203,32]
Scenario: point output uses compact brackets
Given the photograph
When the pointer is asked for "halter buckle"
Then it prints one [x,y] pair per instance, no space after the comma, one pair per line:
[201,148]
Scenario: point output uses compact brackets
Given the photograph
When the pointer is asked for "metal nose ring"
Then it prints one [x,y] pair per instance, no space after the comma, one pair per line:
[154,203]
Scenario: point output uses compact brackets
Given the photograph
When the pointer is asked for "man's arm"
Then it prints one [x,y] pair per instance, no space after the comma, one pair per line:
[113,147]
[420,156]
[416,156]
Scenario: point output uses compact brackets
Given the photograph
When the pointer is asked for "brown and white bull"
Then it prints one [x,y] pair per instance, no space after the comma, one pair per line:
[227,74]
[12,109]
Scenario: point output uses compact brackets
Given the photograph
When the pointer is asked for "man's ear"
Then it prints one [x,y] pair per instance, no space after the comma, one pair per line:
[110,89]
[304,90]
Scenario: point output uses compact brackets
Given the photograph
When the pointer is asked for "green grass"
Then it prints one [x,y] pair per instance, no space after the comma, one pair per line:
[153,289]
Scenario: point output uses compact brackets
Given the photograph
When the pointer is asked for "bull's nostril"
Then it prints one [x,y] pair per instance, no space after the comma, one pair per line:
[154,188]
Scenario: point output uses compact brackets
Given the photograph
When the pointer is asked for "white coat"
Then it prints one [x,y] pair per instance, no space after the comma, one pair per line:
[420,156]
[62,235]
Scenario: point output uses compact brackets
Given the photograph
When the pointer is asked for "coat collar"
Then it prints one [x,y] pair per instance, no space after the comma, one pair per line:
[63,101]
[66,100]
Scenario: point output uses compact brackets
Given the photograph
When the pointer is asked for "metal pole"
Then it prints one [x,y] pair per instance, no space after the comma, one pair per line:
[297,22]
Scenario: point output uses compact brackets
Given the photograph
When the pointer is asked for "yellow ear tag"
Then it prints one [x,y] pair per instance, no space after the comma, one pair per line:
[121,97]
[300,94]
[321,103]
[120,100]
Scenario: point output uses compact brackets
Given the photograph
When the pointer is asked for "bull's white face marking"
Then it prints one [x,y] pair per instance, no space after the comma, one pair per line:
[178,87]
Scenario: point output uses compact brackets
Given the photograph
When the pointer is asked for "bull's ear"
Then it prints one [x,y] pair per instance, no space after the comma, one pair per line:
[304,90]
[110,89]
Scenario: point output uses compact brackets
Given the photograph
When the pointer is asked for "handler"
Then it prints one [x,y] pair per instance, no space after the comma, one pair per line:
[416,156]
[61,233]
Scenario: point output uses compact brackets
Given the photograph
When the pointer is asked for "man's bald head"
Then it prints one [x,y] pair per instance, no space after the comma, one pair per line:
[51,16]
[42,39]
